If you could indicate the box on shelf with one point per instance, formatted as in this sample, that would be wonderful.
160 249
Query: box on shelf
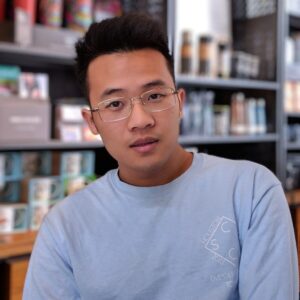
44 189
24 119
14 218
58 39
61 40
73 163
10 166
37 213
10 191
35 163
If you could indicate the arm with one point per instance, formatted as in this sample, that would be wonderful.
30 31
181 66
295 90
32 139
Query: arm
49 274
269 266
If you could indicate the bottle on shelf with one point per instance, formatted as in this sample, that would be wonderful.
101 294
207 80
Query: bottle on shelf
206 56
186 53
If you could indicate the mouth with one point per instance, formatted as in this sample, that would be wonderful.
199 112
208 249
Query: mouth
144 145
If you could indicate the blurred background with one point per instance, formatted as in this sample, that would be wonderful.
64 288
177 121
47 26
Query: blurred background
238 60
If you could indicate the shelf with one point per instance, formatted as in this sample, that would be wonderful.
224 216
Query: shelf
226 83
293 115
196 139
56 55
16 244
293 146
48 145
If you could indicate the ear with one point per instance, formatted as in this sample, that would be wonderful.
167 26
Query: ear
181 100
87 115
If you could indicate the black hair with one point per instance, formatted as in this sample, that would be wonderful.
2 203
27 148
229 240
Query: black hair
132 31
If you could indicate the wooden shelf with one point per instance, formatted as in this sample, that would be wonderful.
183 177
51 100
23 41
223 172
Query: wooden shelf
226 83
16 244
196 139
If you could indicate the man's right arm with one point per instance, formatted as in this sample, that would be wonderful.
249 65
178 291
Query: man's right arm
50 274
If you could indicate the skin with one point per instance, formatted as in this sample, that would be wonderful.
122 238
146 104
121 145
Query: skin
131 74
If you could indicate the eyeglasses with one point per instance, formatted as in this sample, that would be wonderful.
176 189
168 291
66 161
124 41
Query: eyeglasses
117 109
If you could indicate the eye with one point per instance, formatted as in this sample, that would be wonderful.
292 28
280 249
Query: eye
155 97
115 104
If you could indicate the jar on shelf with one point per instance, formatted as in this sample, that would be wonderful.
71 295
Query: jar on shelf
224 60
206 55
186 53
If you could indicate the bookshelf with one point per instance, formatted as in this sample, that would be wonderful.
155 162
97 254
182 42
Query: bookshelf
291 118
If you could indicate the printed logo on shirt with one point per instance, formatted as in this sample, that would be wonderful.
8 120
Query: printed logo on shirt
219 241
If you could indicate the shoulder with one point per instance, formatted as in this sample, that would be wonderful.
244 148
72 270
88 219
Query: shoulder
81 203
238 169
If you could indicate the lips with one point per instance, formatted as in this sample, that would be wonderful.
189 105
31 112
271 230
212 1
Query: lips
144 145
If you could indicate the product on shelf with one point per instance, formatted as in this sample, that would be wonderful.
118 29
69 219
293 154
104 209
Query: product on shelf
224 60
13 218
244 65
34 163
10 166
51 12
186 53
34 85
292 96
27 8
9 77
70 125
104 9
221 120
24 120
73 163
79 14
206 56
42 189
10 191
248 116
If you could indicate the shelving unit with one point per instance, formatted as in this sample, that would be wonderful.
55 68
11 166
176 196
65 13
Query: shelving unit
291 73
255 35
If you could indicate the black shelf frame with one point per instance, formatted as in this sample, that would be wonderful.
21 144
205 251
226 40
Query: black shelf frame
230 139
220 83
38 54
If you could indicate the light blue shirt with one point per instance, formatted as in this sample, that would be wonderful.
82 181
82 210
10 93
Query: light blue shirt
220 231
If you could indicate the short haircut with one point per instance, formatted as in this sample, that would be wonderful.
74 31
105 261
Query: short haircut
132 31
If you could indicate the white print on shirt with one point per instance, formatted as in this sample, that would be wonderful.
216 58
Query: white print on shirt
220 234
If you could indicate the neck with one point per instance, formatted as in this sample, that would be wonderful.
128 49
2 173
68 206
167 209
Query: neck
163 174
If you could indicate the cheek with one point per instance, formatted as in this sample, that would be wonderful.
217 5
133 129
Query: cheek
112 139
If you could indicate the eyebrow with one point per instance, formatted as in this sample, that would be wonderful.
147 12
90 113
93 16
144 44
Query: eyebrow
110 91
154 83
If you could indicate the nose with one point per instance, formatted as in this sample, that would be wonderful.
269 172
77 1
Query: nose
139 117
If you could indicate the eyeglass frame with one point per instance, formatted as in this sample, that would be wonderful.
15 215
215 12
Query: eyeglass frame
132 99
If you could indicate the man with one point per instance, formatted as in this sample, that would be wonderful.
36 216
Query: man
166 224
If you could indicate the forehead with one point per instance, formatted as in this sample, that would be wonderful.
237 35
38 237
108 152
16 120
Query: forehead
128 69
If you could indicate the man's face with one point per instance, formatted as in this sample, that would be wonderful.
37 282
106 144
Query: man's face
145 143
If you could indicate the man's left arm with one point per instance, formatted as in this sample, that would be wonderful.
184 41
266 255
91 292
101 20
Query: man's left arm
269 265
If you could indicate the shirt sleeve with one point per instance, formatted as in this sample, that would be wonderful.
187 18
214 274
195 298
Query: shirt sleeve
269 265
49 275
